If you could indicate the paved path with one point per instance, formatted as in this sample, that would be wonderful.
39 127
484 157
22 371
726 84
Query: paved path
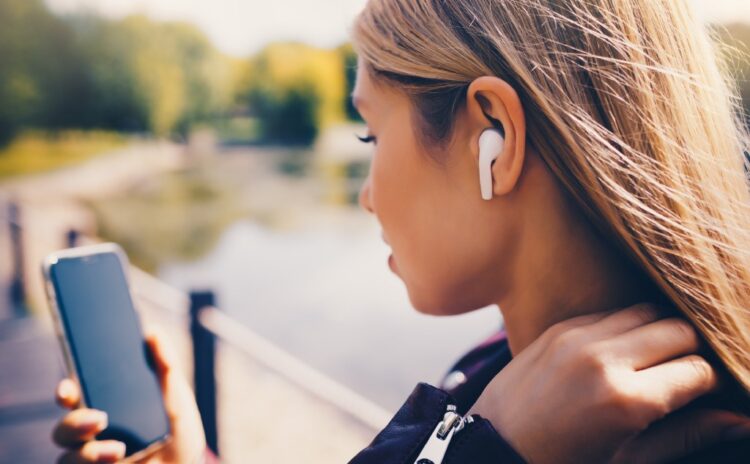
30 367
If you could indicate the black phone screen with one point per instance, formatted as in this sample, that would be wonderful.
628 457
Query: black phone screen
111 359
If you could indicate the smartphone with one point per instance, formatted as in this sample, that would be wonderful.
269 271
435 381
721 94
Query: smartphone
103 344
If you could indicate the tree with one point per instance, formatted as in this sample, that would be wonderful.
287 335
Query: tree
40 75
148 76
349 61
295 90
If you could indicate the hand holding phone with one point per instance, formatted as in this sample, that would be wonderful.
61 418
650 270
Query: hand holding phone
121 384
186 445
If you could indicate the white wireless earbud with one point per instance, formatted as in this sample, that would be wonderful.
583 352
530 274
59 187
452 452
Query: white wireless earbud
490 146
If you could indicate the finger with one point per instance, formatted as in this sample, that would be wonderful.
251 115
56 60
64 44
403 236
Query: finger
79 426
67 394
677 382
657 342
627 319
163 357
683 434
95 452
164 360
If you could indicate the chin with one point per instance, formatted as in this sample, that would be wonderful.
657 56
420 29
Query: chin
440 305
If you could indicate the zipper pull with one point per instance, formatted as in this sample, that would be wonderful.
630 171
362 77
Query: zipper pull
434 450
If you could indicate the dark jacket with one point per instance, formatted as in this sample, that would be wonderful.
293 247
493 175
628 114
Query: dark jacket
478 442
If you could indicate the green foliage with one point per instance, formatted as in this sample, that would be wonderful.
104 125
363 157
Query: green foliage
131 75
288 115
114 97
208 80
138 75
147 76
736 37
40 77
349 61
295 90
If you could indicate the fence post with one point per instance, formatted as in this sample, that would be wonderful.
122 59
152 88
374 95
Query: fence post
17 288
204 373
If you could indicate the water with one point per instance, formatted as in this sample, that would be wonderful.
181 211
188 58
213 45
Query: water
275 233
322 290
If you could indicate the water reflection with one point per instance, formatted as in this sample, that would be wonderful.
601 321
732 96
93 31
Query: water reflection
324 293
277 234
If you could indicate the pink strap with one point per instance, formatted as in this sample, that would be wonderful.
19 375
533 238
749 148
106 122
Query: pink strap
210 457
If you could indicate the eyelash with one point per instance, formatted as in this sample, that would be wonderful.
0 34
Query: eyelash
367 139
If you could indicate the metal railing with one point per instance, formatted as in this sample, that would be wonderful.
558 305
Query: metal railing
16 294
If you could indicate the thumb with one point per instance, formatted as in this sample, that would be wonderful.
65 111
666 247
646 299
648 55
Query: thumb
682 434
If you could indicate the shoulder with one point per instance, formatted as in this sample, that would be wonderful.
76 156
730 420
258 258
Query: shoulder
734 452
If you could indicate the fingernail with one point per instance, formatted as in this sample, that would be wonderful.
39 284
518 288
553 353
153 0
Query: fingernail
737 432
110 450
65 390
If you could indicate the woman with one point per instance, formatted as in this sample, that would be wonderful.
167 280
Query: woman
617 178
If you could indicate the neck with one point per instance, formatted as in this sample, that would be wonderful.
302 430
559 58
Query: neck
564 278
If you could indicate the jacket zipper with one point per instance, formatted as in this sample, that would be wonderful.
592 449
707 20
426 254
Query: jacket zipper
434 450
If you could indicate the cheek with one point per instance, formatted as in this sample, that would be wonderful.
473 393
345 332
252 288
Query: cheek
432 229
455 269
394 181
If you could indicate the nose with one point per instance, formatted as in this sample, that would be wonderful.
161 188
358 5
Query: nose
365 199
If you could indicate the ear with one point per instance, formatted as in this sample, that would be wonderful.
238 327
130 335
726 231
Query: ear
490 98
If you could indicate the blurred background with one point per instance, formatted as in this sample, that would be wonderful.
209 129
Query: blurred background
215 141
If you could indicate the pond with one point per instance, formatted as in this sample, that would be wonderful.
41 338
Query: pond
289 254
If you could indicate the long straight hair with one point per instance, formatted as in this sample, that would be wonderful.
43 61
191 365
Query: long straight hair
629 104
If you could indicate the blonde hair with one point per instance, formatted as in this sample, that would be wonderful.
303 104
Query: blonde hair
627 104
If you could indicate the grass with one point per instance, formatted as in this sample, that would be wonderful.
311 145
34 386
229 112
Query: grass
37 151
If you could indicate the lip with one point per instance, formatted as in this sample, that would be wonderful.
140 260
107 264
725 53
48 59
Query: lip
385 239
